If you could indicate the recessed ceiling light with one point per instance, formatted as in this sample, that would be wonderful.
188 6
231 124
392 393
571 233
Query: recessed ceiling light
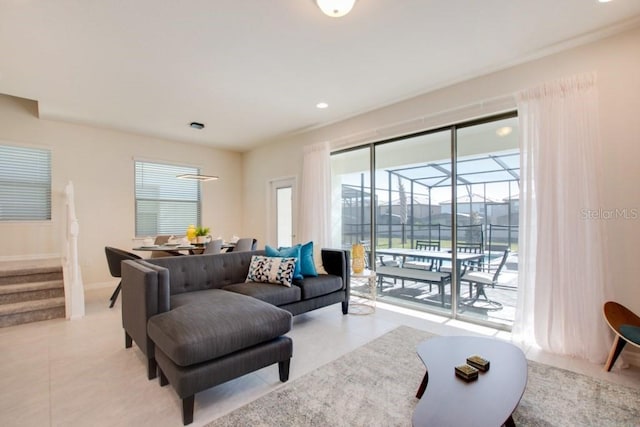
196 125
504 131
604 1
322 105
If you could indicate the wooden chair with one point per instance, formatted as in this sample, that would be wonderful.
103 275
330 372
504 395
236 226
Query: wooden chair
626 326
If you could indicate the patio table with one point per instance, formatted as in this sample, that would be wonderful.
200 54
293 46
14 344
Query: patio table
461 257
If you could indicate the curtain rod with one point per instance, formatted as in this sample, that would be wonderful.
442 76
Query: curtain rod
441 118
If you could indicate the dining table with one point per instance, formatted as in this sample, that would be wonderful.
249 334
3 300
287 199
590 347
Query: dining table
180 249
171 249
442 255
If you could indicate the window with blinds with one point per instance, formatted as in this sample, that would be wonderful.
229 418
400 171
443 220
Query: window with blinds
25 184
164 203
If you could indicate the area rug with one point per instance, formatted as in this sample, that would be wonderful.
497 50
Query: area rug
375 385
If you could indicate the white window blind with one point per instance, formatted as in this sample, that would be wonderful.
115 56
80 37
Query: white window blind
164 203
25 184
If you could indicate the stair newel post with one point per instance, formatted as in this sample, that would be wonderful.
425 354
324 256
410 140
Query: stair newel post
73 287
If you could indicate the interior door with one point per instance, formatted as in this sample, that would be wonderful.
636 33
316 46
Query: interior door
282 224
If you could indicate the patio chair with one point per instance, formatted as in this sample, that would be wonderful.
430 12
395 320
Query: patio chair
480 279
387 261
381 260
423 263
470 240
626 326
469 248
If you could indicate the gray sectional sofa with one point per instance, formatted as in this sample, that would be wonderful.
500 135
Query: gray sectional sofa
199 323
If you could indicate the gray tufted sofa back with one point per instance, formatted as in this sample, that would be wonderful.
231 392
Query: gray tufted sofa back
200 272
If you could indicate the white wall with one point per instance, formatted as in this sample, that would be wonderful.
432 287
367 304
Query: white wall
617 62
100 164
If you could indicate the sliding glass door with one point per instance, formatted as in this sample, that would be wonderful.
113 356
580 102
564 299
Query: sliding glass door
412 177
438 214
488 171
351 198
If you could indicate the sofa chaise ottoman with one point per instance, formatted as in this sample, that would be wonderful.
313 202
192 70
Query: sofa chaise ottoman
204 344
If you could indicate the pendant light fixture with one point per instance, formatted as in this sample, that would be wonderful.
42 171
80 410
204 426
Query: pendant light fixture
335 8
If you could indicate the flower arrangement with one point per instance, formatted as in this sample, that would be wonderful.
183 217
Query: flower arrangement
202 234
191 233
202 231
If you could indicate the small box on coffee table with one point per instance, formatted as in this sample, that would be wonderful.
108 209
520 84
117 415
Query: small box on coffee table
478 363
466 372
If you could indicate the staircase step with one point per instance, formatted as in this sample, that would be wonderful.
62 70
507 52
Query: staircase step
31 311
31 290
39 274
21 292
36 270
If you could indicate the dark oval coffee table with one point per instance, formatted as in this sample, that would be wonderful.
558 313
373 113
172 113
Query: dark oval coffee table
446 400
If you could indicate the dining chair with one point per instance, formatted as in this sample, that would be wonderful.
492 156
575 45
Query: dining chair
626 326
160 240
114 259
213 247
245 244
479 279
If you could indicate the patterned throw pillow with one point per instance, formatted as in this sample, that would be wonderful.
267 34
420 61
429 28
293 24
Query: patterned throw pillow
276 270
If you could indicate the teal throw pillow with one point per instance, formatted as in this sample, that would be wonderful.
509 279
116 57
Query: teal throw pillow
292 252
307 266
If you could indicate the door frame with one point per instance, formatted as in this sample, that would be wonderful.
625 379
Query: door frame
271 226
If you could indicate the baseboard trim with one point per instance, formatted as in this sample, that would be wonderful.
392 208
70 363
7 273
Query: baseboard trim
631 355
100 285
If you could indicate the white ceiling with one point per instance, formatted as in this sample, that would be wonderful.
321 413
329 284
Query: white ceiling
253 70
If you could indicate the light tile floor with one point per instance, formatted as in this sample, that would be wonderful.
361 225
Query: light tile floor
78 373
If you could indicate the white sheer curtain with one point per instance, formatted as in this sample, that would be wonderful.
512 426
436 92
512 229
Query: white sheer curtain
315 197
562 281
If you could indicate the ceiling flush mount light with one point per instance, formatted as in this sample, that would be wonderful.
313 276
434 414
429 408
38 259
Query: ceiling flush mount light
504 131
198 177
322 105
196 125
335 8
